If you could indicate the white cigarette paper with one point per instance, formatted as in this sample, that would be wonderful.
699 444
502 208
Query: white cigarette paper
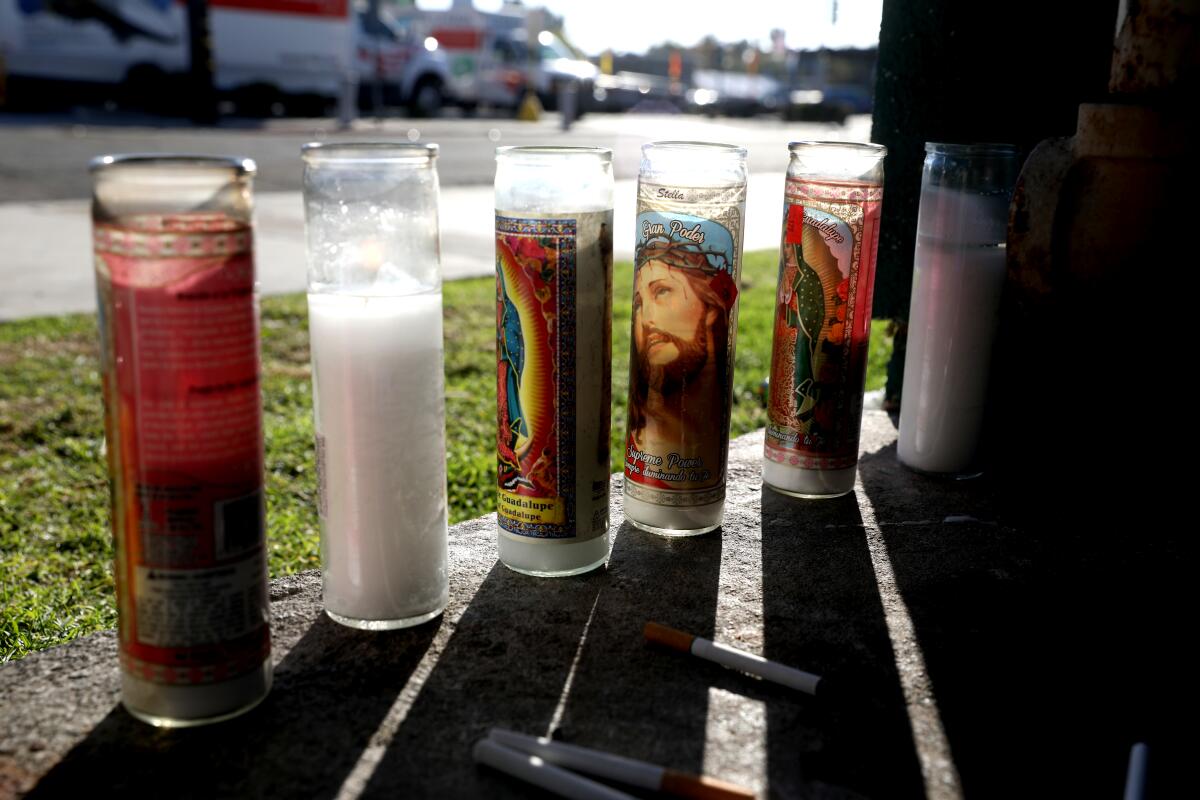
534 770
732 657
755 665
612 767
1135 778
593 762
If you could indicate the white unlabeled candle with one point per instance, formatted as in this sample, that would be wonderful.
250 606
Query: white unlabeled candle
378 402
958 277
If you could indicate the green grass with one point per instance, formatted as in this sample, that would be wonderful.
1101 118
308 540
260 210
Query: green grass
55 546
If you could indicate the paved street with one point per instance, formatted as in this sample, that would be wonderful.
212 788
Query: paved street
44 186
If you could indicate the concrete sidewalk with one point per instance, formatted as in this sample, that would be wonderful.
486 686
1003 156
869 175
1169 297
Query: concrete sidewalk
45 246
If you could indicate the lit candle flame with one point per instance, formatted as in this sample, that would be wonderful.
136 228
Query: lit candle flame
371 254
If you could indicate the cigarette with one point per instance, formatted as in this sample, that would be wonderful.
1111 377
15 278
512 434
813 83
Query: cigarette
732 657
618 768
534 770
1135 778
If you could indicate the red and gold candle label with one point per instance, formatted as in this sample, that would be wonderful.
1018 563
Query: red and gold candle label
179 334
822 323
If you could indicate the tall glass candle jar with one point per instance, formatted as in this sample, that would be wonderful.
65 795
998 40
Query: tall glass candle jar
553 357
375 328
183 419
958 275
832 202
691 211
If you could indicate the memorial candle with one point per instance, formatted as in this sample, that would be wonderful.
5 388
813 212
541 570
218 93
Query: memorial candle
958 275
375 326
832 202
553 357
183 419
690 215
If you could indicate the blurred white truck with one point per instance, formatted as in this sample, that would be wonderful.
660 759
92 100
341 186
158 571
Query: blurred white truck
265 53
495 57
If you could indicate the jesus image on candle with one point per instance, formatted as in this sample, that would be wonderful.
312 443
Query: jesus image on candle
680 358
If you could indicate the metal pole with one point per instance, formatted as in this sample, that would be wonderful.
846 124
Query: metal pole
203 106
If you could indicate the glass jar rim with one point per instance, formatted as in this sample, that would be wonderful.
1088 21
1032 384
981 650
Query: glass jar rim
973 149
373 152
239 166
846 149
536 152
684 146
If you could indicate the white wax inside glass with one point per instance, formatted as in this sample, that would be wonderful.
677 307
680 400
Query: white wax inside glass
958 277
671 520
378 403
183 706
810 483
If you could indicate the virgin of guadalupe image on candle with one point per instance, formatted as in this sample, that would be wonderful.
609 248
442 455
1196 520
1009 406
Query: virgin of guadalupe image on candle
535 348
680 361
525 345
513 434
811 321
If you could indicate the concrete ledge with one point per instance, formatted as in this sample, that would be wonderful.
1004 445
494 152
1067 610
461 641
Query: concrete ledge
963 644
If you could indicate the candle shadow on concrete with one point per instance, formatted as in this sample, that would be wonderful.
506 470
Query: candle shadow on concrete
1051 645
823 613
331 691
505 664
632 698
563 655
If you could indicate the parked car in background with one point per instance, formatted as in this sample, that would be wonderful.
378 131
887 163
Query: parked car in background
556 67
638 92
500 73
733 94
397 67
508 68
495 58
831 103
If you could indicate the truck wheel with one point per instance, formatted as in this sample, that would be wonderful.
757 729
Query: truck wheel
258 100
146 88
307 105
549 98
427 98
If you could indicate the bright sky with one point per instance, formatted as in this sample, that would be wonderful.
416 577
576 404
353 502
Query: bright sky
635 25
